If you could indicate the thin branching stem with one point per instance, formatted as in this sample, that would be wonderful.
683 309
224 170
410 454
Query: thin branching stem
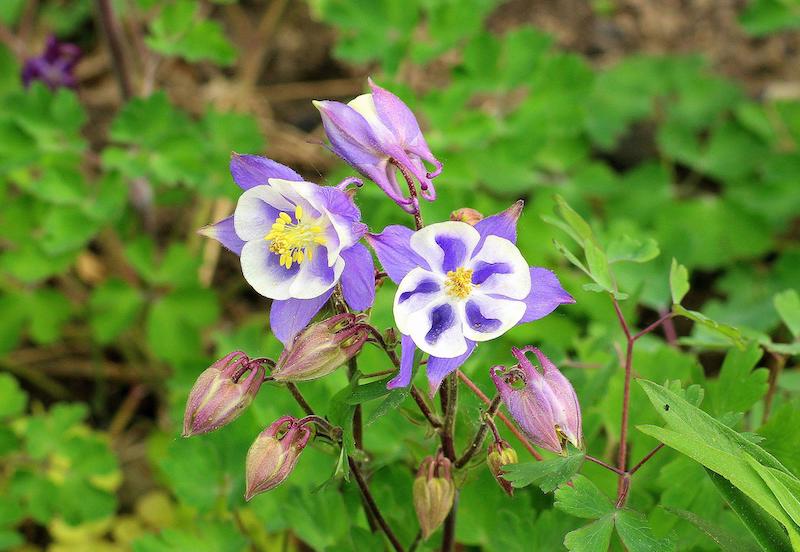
480 435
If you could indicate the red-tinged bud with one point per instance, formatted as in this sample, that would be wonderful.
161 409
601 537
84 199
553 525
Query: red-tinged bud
434 493
501 454
468 215
274 454
322 348
221 393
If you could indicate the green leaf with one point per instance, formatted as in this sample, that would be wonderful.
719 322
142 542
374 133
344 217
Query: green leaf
767 532
726 540
787 303
583 499
785 487
174 323
632 250
595 537
598 265
678 282
49 310
762 17
12 398
547 474
731 333
634 531
581 228
113 308
179 30
395 398
369 391
739 386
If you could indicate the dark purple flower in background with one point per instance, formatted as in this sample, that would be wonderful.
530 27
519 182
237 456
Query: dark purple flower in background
377 134
459 285
54 67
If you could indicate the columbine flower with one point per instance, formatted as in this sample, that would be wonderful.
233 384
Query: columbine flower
296 240
322 348
377 134
274 454
222 393
545 406
54 67
434 493
458 285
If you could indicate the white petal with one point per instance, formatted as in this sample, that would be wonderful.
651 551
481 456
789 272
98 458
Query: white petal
315 277
257 210
449 342
486 317
516 282
365 106
410 298
458 239
262 270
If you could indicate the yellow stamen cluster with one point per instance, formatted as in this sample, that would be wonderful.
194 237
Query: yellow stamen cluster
294 242
459 282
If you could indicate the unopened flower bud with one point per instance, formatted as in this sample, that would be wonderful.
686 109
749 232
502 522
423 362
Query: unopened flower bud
274 454
322 348
501 454
434 493
544 404
221 393
468 215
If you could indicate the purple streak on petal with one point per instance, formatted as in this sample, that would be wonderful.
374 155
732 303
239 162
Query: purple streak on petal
394 252
477 321
338 202
545 296
407 350
395 114
483 270
426 286
349 133
437 368
442 319
288 317
358 278
253 170
225 234
455 252
502 224
568 409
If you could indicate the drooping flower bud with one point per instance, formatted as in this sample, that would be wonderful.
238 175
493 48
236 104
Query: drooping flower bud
322 348
274 454
501 454
434 493
543 404
378 135
221 393
468 215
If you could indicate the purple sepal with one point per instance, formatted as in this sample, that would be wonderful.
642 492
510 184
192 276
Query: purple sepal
287 317
358 278
54 67
545 296
225 234
394 251
249 171
502 224
407 350
439 368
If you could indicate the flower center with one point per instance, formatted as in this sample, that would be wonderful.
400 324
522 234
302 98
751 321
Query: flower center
294 242
459 282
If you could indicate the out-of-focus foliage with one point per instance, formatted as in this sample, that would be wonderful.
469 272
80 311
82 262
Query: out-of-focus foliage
656 180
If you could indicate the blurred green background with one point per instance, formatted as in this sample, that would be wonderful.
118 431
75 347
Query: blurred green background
673 123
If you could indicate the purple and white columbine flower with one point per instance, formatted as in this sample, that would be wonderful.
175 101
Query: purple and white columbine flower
459 285
296 241
377 134
54 67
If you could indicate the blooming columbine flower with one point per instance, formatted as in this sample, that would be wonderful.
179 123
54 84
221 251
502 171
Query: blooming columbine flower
546 406
460 284
295 239
377 134
54 67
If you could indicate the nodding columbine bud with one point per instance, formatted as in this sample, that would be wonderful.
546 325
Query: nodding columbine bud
274 454
543 404
468 215
434 493
221 393
501 454
322 348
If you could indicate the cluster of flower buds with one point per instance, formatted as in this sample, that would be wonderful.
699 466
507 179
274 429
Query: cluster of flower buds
544 404
377 134
434 493
274 454
500 454
54 67
322 348
222 392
